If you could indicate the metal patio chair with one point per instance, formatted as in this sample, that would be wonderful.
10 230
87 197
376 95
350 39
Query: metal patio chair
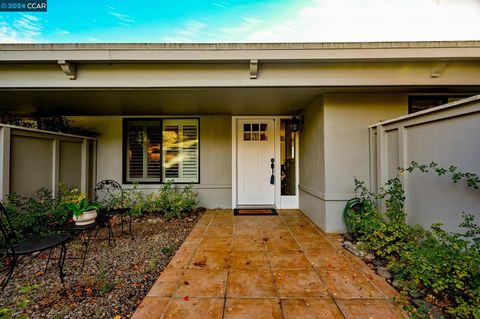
16 248
106 193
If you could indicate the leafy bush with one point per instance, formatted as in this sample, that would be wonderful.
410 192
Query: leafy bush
174 202
36 215
169 200
440 266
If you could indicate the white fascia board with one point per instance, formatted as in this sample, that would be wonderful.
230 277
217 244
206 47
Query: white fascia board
139 54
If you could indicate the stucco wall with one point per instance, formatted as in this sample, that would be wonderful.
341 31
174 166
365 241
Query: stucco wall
448 136
32 159
215 189
341 121
312 163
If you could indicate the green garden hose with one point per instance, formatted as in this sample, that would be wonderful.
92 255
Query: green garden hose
349 211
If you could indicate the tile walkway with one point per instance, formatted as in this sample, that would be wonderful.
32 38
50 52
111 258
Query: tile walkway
266 267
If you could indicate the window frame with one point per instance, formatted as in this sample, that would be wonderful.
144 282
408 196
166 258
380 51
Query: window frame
159 120
444 98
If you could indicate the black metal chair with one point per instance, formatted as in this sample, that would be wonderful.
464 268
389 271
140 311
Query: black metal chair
107 193
16 248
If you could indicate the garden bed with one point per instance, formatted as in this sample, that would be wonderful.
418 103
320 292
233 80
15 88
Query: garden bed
113 283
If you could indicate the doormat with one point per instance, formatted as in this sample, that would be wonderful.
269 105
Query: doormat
254 211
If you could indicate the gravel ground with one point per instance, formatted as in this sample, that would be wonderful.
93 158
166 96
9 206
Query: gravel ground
113 283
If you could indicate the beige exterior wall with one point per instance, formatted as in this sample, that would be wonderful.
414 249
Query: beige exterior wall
215 188
312 163
447 135
32 159
344 152
271 74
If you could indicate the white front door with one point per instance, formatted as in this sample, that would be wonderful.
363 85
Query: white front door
255 152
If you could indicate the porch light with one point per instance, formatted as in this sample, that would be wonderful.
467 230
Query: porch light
295 123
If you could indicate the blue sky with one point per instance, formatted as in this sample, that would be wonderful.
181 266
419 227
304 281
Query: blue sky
244 21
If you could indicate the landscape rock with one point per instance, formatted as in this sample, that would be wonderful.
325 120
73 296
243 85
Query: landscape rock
348 237
434 311
397 283
384 272
378 263
369 256
353 249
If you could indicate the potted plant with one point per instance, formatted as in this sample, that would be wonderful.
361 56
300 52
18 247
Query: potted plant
84 213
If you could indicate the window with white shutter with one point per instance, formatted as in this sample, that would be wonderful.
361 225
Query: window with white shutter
180 150
144 140
161 150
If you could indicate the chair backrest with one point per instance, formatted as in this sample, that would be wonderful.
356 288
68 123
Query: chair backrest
107 192
6 228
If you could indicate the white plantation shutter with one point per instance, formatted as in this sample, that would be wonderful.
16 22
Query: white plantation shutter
144 151
180 150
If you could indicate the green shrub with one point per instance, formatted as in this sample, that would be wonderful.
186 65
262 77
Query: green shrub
36 215
169 200
444 267
174 202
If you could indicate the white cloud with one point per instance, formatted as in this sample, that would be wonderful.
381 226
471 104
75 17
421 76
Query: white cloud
61 31
249 24
24 29
189 33
192 28
372 20
221 4
123 19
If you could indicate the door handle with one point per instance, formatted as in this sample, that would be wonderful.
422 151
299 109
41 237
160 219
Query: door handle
272 166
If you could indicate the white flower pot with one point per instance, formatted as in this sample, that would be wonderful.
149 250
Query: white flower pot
86 218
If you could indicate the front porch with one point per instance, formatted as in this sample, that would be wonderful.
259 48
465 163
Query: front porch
266 267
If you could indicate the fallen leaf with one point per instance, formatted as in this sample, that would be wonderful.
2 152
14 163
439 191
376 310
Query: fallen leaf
186 283
117 317
200 263
186 298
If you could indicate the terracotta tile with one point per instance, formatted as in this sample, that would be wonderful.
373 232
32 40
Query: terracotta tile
250 284
249 260
219 231
249 221
247 231
314 243
191 242
271 221
383 286
197 232
328 259
252 308
193 308
204 220
288 260
276 232
224 211
182 258
211 259
290 212
212 243
151 308
249 243
299 284
349 284
281 243
305 232
166 283
297 222
206 283
222 222
370 308
310 309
